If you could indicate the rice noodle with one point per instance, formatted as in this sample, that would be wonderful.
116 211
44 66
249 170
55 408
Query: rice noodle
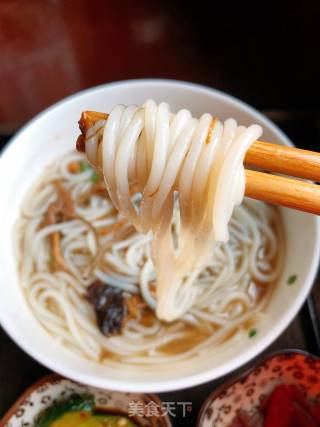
178 180
231 288
156 153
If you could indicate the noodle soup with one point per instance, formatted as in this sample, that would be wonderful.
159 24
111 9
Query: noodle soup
74 249
51 136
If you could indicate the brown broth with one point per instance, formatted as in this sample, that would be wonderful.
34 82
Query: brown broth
193 337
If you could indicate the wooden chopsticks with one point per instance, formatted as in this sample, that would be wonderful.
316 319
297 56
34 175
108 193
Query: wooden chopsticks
283 191
286 160
280 190
275 189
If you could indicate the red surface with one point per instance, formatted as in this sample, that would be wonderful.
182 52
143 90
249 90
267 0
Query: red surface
50 49
263 52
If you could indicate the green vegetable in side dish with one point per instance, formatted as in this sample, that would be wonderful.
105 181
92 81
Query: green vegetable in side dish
77 403
78 411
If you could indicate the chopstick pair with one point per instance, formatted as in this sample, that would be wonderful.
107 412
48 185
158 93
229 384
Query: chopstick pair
282 190
279 190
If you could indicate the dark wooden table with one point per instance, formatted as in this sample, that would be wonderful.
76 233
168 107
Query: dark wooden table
18 370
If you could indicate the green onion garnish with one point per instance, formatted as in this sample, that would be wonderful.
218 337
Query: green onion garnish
292 279
252 332
95 177
84 166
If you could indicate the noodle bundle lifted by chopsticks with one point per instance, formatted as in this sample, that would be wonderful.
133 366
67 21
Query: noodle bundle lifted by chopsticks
170 161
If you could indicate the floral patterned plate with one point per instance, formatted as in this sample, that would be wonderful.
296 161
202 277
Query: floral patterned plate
145 408
246 392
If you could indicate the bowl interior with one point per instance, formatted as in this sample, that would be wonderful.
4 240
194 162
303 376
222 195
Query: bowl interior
53 133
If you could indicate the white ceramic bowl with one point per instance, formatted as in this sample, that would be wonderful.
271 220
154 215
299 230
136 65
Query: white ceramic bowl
53 133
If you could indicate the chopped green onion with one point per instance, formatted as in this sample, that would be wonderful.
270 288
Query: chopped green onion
252 332
292 279
95 177
84 166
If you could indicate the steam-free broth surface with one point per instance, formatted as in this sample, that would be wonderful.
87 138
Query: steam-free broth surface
71 239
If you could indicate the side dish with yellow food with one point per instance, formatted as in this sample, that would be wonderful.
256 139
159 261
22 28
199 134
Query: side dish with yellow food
79 411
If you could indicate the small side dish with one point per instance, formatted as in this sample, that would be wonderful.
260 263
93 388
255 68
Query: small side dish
282 391
55 401
286 406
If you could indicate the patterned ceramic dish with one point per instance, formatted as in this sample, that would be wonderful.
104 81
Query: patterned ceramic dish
51 389
247 391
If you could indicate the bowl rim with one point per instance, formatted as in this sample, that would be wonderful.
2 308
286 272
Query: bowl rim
144 81
54 377
245 373
214 372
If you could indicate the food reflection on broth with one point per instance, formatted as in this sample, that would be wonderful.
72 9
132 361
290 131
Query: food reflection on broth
89 277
